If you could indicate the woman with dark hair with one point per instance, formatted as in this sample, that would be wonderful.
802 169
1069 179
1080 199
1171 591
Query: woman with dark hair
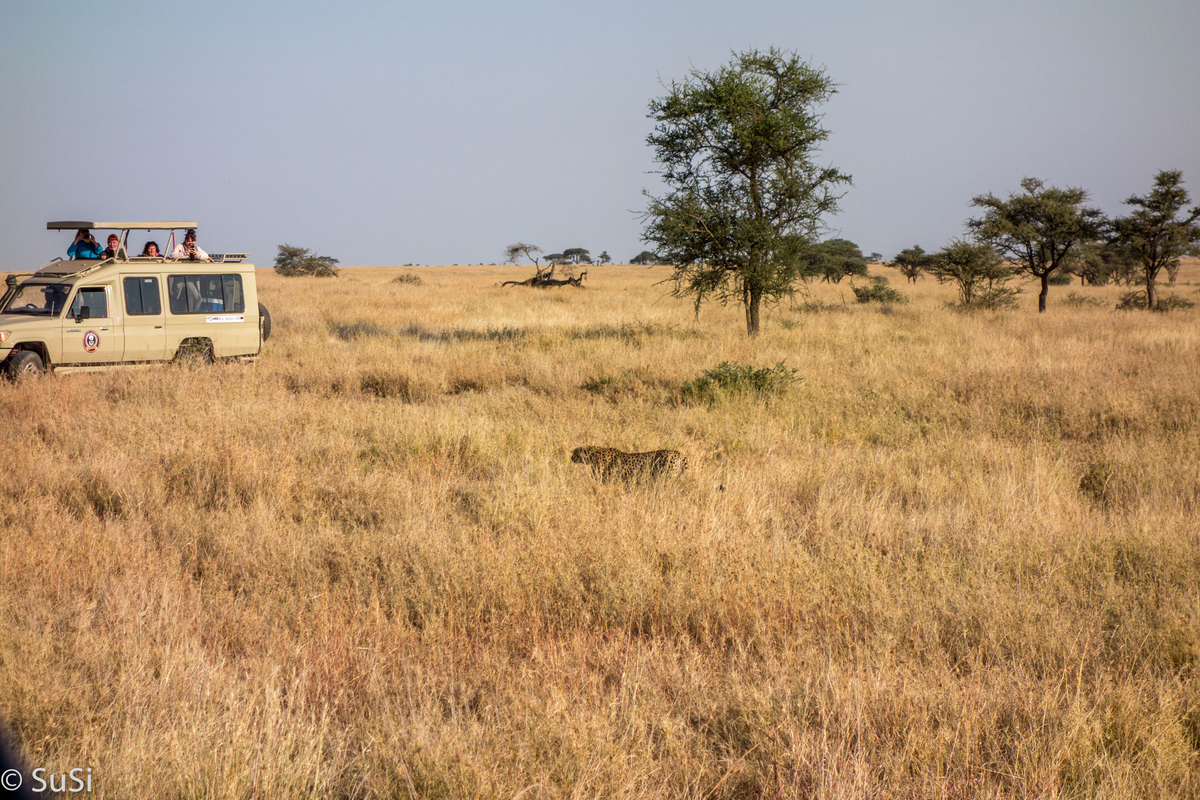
151 250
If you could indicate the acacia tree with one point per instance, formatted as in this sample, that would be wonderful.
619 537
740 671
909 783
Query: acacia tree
1037 230
835 259
745 200
911 262
294 262
978 272
1099 263
1155 233
515 251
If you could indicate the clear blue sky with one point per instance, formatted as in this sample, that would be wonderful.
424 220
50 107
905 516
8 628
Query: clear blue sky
438 133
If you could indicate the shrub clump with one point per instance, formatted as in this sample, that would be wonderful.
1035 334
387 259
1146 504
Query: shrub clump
407 277
298 261
1081 301
728 377
878 292
1136 300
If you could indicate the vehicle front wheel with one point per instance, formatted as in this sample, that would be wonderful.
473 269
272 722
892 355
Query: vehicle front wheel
24 365
264 322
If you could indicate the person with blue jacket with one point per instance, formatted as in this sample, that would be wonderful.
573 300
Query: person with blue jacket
84 246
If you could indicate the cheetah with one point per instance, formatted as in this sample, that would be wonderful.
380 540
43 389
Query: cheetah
608 463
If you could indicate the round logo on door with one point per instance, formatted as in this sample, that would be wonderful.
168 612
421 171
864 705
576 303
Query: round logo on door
91 340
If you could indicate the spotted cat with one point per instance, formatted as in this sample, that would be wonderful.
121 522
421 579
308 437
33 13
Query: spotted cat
608 463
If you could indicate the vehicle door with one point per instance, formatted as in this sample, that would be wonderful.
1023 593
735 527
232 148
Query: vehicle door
97 337
145 336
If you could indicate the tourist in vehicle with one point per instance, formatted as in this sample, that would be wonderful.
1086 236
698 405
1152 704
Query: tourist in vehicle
151 250
114 249
84 246
188 248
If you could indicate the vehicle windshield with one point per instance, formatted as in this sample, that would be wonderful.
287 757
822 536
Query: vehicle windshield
37 299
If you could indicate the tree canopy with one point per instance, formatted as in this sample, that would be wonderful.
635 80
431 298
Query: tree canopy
515 251
835 259
912 261
1037 229
1160 229
744 199
298 261
977 271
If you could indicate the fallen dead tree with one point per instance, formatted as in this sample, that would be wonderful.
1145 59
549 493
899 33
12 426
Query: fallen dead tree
544 279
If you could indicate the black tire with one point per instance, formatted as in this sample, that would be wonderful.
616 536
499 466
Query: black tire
25 365
264 322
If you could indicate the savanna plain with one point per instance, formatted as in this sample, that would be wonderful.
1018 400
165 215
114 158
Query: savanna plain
959 556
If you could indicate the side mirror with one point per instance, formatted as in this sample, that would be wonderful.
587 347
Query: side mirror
85 312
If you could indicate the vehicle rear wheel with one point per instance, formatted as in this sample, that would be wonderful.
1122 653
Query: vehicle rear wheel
25 365
195 353
264 322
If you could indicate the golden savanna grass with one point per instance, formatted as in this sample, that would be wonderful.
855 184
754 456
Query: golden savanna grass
960 558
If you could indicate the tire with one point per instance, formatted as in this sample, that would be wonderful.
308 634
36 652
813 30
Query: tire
264 322
194 353
25 365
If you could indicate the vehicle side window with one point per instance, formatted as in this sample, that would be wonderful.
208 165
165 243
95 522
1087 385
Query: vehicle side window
92 299
233 293
205 294
141 296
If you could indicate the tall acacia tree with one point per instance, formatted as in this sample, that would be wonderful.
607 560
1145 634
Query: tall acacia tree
1155 233
745 201
1037 230
911 262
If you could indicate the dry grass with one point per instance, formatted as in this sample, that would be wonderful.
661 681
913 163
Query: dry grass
961 558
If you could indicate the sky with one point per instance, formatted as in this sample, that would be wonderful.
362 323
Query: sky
392 133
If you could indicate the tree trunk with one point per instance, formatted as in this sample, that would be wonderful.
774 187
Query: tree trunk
1151 291
1044 293
753 305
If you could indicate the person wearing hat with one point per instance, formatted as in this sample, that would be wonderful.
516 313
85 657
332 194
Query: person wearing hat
84 246
188 248
115 249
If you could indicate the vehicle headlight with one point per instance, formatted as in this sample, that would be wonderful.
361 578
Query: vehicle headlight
4 336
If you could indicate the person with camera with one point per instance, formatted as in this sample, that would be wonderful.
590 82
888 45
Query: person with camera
84 246
188 249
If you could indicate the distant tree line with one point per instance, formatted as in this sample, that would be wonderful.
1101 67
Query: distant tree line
572 255
1048 234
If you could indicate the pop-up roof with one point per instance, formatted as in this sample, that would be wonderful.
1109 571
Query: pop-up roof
168 225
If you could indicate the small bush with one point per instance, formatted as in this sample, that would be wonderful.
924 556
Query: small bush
1060 278
407 277
878 292
995 298
816 307
1081 301
728 377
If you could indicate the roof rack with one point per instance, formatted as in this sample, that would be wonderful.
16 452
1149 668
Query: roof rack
161 225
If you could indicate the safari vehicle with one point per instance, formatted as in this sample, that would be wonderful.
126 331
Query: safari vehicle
91 314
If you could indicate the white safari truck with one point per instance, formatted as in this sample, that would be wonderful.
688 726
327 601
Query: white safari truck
100 313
